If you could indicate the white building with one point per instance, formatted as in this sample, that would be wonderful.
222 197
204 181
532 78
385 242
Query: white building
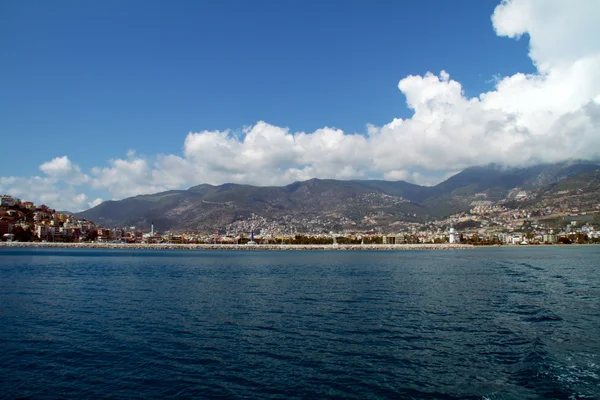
41 231
453 236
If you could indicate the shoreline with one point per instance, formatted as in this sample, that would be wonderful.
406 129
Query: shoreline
269 247
289 247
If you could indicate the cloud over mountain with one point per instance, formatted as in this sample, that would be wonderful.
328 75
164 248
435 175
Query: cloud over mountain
548 116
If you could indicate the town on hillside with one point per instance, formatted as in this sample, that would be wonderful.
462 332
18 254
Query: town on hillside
485 224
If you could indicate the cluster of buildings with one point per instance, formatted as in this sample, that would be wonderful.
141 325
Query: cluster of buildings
25 221
489 223
484 223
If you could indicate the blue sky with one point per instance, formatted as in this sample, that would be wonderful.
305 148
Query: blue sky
93 80
104 77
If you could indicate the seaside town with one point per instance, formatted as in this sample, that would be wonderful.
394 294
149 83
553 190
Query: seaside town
484 224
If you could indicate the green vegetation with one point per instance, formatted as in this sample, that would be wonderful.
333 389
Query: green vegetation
461 226
22 235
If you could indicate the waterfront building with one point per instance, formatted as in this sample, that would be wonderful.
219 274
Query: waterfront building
549 239
453 236
393 239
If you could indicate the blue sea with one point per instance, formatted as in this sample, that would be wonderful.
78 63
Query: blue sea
497 323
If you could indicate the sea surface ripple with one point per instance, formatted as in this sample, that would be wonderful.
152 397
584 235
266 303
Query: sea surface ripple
520 323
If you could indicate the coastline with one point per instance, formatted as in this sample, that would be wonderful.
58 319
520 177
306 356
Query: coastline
289 247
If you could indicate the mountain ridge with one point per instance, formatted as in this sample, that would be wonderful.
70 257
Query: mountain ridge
333 204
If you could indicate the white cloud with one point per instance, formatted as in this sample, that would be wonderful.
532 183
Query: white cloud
561 32
44 190
56 189
548 116
95 202
63 168
397 175
127 177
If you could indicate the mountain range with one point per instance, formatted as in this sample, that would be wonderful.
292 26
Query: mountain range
327 204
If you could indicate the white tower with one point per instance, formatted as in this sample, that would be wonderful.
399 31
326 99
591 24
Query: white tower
453 237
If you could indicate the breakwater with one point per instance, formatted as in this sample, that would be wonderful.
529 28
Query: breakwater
169 246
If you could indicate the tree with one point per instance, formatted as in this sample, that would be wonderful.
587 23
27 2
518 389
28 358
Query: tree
374 240
22 235
91 236
581 237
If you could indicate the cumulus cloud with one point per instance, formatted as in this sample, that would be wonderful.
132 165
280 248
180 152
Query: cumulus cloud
56 189
44 190
560 32
549 116
126 177
95 202
63 168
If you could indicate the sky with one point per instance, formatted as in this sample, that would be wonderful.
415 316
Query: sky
103 100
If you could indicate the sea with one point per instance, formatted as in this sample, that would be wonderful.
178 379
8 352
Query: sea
486 323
